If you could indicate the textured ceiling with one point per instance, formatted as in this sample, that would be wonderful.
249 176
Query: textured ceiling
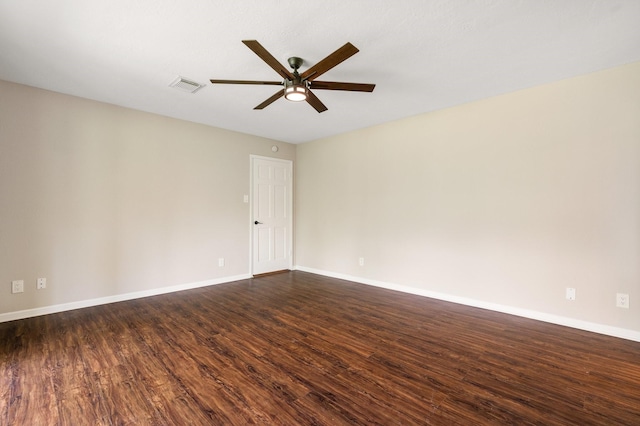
422 55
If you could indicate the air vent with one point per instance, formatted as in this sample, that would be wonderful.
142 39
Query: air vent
185 85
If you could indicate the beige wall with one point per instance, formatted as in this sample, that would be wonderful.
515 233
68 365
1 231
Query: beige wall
103 200
506 201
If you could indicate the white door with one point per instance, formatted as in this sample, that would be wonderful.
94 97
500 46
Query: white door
271 207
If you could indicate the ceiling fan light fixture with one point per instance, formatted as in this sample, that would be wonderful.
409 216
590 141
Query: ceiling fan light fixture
297 87
295 92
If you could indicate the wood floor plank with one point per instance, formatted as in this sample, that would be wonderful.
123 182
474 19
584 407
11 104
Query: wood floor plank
301 349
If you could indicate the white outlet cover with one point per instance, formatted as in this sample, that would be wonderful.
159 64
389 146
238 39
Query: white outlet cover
622 300
17 286
41 283
571 293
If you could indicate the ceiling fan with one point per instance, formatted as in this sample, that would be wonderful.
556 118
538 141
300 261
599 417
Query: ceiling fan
297 87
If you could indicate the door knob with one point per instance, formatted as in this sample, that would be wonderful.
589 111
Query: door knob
257 223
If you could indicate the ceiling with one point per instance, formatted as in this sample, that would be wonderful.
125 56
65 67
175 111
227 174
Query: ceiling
422 55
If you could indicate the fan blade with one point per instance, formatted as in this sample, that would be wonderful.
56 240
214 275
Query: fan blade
269 83
272 99
351 87
340 55
268 58
315 102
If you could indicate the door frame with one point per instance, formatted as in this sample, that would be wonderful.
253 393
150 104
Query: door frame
253 157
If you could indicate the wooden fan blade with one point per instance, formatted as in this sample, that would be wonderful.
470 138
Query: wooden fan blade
340 55
315 102
351 87
272 99
269 83
268 58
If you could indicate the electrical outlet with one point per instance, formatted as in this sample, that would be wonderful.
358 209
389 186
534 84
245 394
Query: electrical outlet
622 300
221 261
17 286
361 261
571 293
41 283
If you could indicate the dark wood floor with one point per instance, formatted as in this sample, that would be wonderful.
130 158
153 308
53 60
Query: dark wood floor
300 349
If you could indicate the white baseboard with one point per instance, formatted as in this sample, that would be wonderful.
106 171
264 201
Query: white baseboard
526 313
28 313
